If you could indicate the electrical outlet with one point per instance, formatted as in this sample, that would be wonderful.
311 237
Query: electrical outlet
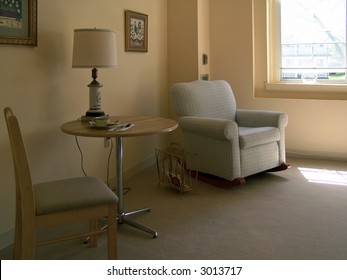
107 142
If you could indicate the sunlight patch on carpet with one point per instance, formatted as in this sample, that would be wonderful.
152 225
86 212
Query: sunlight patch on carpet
324 176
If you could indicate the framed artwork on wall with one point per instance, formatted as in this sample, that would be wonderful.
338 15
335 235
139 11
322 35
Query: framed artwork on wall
18 22
136 32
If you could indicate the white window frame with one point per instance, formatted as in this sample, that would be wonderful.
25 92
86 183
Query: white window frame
274 82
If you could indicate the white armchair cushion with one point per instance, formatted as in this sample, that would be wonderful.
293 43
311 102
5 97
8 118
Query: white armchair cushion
254 136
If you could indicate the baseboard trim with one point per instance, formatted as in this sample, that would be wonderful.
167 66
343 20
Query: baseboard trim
6 239
127 174
317 155
139 168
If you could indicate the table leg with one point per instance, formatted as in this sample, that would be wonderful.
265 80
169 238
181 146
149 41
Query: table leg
122 215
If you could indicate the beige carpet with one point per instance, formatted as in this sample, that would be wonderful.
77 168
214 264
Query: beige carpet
273 216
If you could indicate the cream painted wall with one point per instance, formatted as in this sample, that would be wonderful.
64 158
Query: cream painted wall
188 39
182 40
316 127
44 91
183 64
203 35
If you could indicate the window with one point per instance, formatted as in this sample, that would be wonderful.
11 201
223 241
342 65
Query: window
307 42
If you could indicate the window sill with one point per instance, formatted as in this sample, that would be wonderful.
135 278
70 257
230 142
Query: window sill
302 91
301 87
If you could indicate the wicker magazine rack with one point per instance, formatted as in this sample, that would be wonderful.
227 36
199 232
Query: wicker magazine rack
177 168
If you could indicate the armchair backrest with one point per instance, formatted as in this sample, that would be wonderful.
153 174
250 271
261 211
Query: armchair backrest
208 99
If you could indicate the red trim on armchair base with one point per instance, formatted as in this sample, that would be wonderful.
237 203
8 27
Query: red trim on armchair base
217 181
224 183
283 166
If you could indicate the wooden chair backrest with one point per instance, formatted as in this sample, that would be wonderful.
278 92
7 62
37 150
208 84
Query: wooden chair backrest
25 199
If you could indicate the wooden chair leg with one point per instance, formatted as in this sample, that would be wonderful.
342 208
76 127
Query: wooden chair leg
28 243
112 232
93 239
17 244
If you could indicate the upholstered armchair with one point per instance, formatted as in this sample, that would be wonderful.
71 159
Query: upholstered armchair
231 143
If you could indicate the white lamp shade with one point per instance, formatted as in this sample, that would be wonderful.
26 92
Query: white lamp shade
94 48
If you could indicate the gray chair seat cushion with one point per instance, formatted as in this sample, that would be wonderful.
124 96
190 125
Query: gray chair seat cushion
75 193
254 136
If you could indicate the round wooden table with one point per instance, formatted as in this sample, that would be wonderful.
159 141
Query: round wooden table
142 125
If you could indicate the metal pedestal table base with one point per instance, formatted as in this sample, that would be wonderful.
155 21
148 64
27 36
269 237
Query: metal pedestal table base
123 216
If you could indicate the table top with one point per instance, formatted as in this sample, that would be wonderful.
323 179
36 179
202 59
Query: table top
143 125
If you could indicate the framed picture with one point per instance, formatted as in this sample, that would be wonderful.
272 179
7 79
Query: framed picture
18 22
136 32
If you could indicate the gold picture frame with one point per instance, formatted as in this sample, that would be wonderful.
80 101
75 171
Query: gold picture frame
136 32
18 22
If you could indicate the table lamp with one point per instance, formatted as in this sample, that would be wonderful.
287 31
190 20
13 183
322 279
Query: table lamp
94 48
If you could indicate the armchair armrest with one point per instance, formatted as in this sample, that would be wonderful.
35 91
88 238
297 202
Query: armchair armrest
213 128
258 118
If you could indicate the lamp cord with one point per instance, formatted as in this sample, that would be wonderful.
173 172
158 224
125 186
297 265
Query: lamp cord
108 164
81 155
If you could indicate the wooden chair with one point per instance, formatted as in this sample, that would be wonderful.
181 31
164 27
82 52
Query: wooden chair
56 203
